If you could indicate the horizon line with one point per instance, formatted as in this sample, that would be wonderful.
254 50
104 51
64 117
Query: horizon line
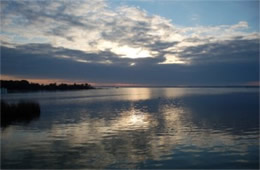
126 85
183 86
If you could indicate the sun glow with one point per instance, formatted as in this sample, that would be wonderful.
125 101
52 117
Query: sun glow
134 53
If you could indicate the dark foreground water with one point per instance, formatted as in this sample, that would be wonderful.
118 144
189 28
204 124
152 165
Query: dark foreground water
136 128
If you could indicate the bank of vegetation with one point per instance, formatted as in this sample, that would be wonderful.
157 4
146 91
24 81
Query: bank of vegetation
21 112
24 85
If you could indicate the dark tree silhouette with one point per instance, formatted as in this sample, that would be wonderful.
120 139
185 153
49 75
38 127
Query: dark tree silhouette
24 85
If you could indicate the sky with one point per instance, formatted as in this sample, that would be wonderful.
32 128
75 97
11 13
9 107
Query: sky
130 42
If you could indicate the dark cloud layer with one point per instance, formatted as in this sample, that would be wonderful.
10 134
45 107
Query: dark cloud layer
42 61
225 51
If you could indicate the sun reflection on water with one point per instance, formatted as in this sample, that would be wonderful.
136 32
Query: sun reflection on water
132 120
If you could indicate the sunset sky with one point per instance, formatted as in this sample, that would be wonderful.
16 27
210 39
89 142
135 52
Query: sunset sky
145 42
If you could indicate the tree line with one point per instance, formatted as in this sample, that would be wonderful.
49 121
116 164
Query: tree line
24 85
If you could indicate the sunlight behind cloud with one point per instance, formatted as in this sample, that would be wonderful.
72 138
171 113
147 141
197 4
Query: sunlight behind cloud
82 61
172 59
129 52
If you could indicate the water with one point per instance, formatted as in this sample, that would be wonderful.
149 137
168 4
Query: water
136 128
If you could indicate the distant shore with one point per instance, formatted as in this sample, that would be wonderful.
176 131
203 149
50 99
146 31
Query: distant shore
8 86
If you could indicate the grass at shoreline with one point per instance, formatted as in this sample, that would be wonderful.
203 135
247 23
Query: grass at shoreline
22 112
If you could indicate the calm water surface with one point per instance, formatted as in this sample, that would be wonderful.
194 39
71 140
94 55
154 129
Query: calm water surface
136 128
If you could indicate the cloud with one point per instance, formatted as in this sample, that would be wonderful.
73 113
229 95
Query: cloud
95 27
90 36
